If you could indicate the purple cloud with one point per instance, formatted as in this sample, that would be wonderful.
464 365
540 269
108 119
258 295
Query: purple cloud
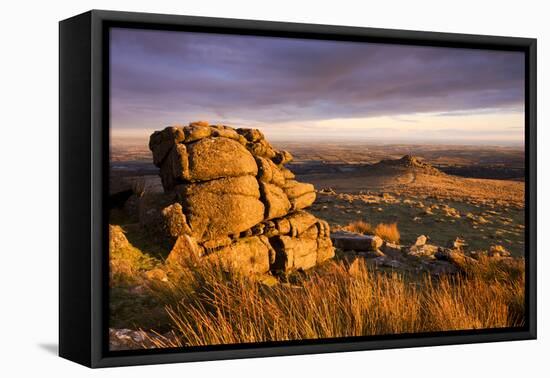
160 77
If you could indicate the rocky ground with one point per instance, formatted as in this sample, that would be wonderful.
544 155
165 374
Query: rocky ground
139 319
480 224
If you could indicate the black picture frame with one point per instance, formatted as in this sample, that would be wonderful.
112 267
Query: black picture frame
83 167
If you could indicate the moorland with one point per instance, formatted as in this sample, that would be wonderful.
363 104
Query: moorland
446 222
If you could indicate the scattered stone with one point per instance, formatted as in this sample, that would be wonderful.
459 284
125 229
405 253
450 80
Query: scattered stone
458 243
156 274
425 250
346 240
498 251
421 240
184 249
128 339
458 258
450 211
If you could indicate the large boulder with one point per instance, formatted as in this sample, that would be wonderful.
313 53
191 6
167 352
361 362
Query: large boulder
302 242
221 207
228 195
207 159
275 200
186 248
294 253
300 222
269 172
300 252
214 158
301 195
175 167
174 220
346 240
162 142
249 255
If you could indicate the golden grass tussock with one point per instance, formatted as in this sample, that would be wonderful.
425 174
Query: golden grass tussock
208 305
360 227
388 232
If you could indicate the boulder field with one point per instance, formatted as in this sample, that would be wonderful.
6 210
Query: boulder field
228 194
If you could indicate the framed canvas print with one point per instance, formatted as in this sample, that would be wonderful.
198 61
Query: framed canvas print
233 188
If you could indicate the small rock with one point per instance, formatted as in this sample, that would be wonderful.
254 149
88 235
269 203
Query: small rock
421 240
458 243
426 250
498 251
455 257
346 240
156 274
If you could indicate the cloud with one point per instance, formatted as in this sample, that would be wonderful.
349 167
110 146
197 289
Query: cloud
160 77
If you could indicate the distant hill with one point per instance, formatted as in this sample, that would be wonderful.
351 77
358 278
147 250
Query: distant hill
407 163
411 176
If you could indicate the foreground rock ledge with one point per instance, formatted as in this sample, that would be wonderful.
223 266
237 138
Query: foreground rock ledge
228 195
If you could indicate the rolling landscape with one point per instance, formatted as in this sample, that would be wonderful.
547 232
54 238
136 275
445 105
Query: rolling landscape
430 198
447 191
267 190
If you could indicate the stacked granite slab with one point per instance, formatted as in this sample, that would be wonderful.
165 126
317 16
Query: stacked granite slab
235 199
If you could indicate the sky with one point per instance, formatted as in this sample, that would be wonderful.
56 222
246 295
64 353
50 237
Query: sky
299 89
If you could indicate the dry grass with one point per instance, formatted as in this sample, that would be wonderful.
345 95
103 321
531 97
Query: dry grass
210 306
388 232
360 227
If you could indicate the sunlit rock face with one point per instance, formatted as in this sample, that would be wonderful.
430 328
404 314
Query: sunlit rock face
232 197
